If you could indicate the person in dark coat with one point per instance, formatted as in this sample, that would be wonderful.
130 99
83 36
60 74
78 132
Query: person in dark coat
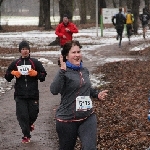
144 18
118 21
27 72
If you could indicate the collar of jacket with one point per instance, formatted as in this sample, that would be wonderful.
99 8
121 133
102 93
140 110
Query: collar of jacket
72 66
26 58
65 24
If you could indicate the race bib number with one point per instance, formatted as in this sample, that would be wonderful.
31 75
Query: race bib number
23 69
83 103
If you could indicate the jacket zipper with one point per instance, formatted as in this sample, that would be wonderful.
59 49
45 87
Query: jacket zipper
81 79
25 76
81 82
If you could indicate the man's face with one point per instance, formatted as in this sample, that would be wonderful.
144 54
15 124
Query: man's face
25 52
65 20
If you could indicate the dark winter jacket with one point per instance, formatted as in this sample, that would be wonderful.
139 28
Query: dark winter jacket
71 84
60 31
26 87
144 18
120 20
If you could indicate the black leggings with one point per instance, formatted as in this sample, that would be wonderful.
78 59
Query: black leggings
129 29
27 113
120 31
69 131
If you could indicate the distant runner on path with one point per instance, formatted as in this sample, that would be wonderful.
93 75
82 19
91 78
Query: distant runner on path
118 21
129 23
144 17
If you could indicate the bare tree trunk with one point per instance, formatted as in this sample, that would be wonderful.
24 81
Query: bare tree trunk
0 14
41 14
46 9
135 10
147 4
101 4
129 4
114 4
65 7
120 3
91 9
44 14
82 10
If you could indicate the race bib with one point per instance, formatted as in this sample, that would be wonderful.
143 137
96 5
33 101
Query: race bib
83 103
23 69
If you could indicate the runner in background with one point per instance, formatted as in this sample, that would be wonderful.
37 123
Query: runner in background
144 17
118 21
129 23
65 30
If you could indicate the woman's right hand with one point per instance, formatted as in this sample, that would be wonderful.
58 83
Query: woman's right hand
62 63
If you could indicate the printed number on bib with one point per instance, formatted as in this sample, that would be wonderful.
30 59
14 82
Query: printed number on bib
23 69
83 103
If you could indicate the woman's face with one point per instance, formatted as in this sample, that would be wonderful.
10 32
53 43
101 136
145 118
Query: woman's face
74 56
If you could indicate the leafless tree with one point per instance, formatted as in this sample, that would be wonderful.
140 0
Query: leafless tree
120 3
101 4
91 10
135 11
82 10
147 3
46 10
114 3
0 14
41 14
44 15
129 4
65 7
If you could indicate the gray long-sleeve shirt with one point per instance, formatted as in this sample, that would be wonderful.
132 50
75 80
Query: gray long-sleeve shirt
71 84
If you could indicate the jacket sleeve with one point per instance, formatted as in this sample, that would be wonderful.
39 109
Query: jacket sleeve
58 82
58 31
41 73
74 29
8 75
113 20
94 93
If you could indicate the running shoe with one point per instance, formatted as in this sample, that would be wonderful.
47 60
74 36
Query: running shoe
25 140
32 127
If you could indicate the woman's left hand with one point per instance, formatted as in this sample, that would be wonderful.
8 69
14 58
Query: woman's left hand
102 94
62 63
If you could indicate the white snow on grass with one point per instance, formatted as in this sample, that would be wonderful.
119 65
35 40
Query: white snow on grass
87 37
